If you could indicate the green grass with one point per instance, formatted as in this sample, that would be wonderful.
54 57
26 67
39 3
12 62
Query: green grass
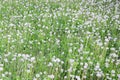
59 40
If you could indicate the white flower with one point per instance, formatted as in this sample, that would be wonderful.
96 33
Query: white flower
65 77
28 71
19 55
71 60
81 64
77 77
6 60
1 65
57 41
85 66
3 75
51 76
106 65
32 59
40 73
58 60
61 70
34 78
113 49
99 74
53 59
97 67
70 50
84 77
70 69
37 75
7 54
118 76
106 40
13 59
6 73
9 73
81 58
1 69
113 71
50 64
81 48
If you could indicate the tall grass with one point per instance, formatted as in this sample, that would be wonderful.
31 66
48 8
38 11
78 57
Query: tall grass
59 40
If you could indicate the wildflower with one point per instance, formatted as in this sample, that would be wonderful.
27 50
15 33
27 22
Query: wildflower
80 49
84 77
71 60
81 64
81 58
77 77
28 71
113 72
45 72
99 74
118 76
70 69
1 69
6 60
51 76
50 64
65 77
97 67
3 75
37 75
1 65
70 50
6 73
34 78
85 66
32 59
58 60
106 65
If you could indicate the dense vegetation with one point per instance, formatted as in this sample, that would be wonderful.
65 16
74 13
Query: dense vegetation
59 40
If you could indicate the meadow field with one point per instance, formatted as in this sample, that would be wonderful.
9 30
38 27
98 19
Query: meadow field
59 40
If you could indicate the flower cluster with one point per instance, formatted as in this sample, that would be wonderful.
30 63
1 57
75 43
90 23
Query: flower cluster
59 39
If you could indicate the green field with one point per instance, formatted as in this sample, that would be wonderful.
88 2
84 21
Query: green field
59 40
